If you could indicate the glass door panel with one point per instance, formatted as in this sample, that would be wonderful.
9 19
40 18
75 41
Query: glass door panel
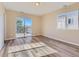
23 27
28 27
20 27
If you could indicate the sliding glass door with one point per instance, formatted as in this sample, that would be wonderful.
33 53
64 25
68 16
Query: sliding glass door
28 27
23 27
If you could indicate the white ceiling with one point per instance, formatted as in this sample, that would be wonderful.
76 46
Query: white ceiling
28 7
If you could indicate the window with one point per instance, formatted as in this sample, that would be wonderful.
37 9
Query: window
68 20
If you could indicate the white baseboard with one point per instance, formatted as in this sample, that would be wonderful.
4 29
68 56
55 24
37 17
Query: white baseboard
15 37
63 40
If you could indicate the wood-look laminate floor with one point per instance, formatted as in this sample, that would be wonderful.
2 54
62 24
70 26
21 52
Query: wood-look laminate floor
64 50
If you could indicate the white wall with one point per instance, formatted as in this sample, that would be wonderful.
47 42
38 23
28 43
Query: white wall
1 25
49 27
11 23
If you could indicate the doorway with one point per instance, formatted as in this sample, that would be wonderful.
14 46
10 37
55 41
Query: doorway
23 27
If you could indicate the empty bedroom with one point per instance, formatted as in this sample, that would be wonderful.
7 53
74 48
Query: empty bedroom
39 29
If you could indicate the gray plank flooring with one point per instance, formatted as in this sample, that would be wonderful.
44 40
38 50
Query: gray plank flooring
64 50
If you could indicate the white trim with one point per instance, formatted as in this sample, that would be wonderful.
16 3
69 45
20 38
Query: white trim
15 38
63 41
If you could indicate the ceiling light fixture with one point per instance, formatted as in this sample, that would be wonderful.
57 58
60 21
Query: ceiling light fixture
36 3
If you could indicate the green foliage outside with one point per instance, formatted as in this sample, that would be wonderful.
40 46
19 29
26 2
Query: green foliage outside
20 26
